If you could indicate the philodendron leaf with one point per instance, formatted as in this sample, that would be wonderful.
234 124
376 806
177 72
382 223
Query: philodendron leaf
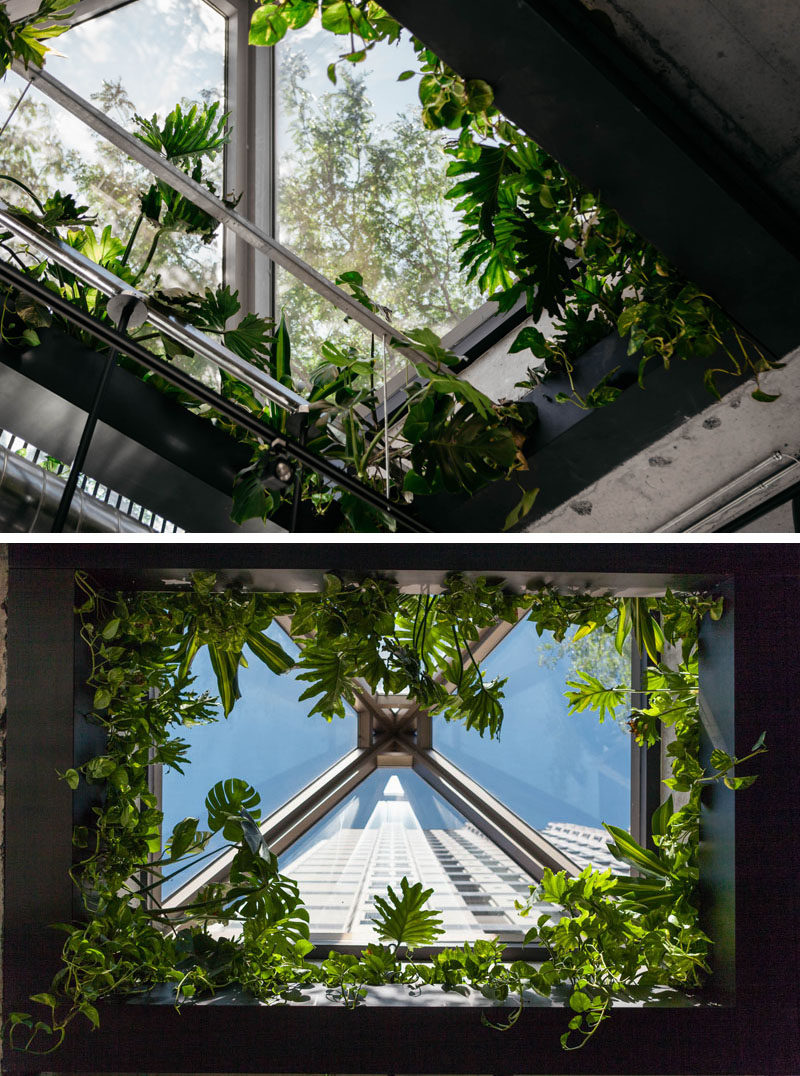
403 919
271 653
589 694
183 836
328 673
252 834
224 804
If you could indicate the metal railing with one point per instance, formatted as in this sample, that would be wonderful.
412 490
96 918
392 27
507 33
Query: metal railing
96 276
202 198
233 411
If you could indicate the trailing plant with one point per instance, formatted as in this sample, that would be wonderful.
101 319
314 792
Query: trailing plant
443 436
618 937
530 230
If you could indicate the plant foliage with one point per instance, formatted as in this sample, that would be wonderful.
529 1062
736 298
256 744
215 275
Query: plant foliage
530 230
618 937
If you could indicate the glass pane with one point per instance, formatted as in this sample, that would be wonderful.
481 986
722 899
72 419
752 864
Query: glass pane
110 60
563 774
268 740
361 186
393 825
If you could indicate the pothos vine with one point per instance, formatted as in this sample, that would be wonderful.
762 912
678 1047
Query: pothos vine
618 937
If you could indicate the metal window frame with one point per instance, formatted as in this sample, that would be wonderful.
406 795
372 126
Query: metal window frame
386 740
256 236
740 668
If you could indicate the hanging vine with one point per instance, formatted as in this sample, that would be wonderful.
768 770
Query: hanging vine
618 937
531 230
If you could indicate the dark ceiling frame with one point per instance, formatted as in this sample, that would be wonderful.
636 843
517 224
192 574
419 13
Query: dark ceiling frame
576 90
724 1039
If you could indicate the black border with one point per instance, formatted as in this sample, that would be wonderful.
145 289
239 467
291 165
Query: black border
755 1034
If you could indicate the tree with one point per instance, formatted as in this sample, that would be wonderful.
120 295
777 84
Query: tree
354 196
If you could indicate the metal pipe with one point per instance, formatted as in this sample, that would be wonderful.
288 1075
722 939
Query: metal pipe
29 498
96 276
744 496
215 207
231 410
672 524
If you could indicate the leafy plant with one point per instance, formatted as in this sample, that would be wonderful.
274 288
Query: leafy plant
24 38
404 919
618 937
529 229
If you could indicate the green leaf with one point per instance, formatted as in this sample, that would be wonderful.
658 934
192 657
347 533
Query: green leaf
336 17
403 919
271 653
626 848
579 1001
250 499
647 633
45 999
226 666
224 804
183 836
72 777
268 26
739 782
720 760
623 628
328 673
532 339
479 95
91 1014
521 509
759 742
185 135
280 359
418 420
764 397
111 629
97 769
589 694
404 75
661 817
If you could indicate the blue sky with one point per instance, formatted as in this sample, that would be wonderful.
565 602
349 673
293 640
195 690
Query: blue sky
547 766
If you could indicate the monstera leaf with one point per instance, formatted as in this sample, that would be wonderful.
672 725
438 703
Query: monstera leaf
403 920
225 803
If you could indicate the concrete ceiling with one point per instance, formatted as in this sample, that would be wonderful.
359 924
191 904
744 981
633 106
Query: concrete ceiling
733 64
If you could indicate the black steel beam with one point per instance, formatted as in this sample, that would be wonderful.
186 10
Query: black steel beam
590 104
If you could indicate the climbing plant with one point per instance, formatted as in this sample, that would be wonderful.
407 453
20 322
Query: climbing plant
618 937
531 231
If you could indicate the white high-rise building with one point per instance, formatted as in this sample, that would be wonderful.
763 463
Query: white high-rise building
475 884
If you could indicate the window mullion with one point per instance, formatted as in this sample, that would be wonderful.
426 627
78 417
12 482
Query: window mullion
525 845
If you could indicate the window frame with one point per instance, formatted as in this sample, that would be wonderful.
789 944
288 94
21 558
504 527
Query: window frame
764 586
